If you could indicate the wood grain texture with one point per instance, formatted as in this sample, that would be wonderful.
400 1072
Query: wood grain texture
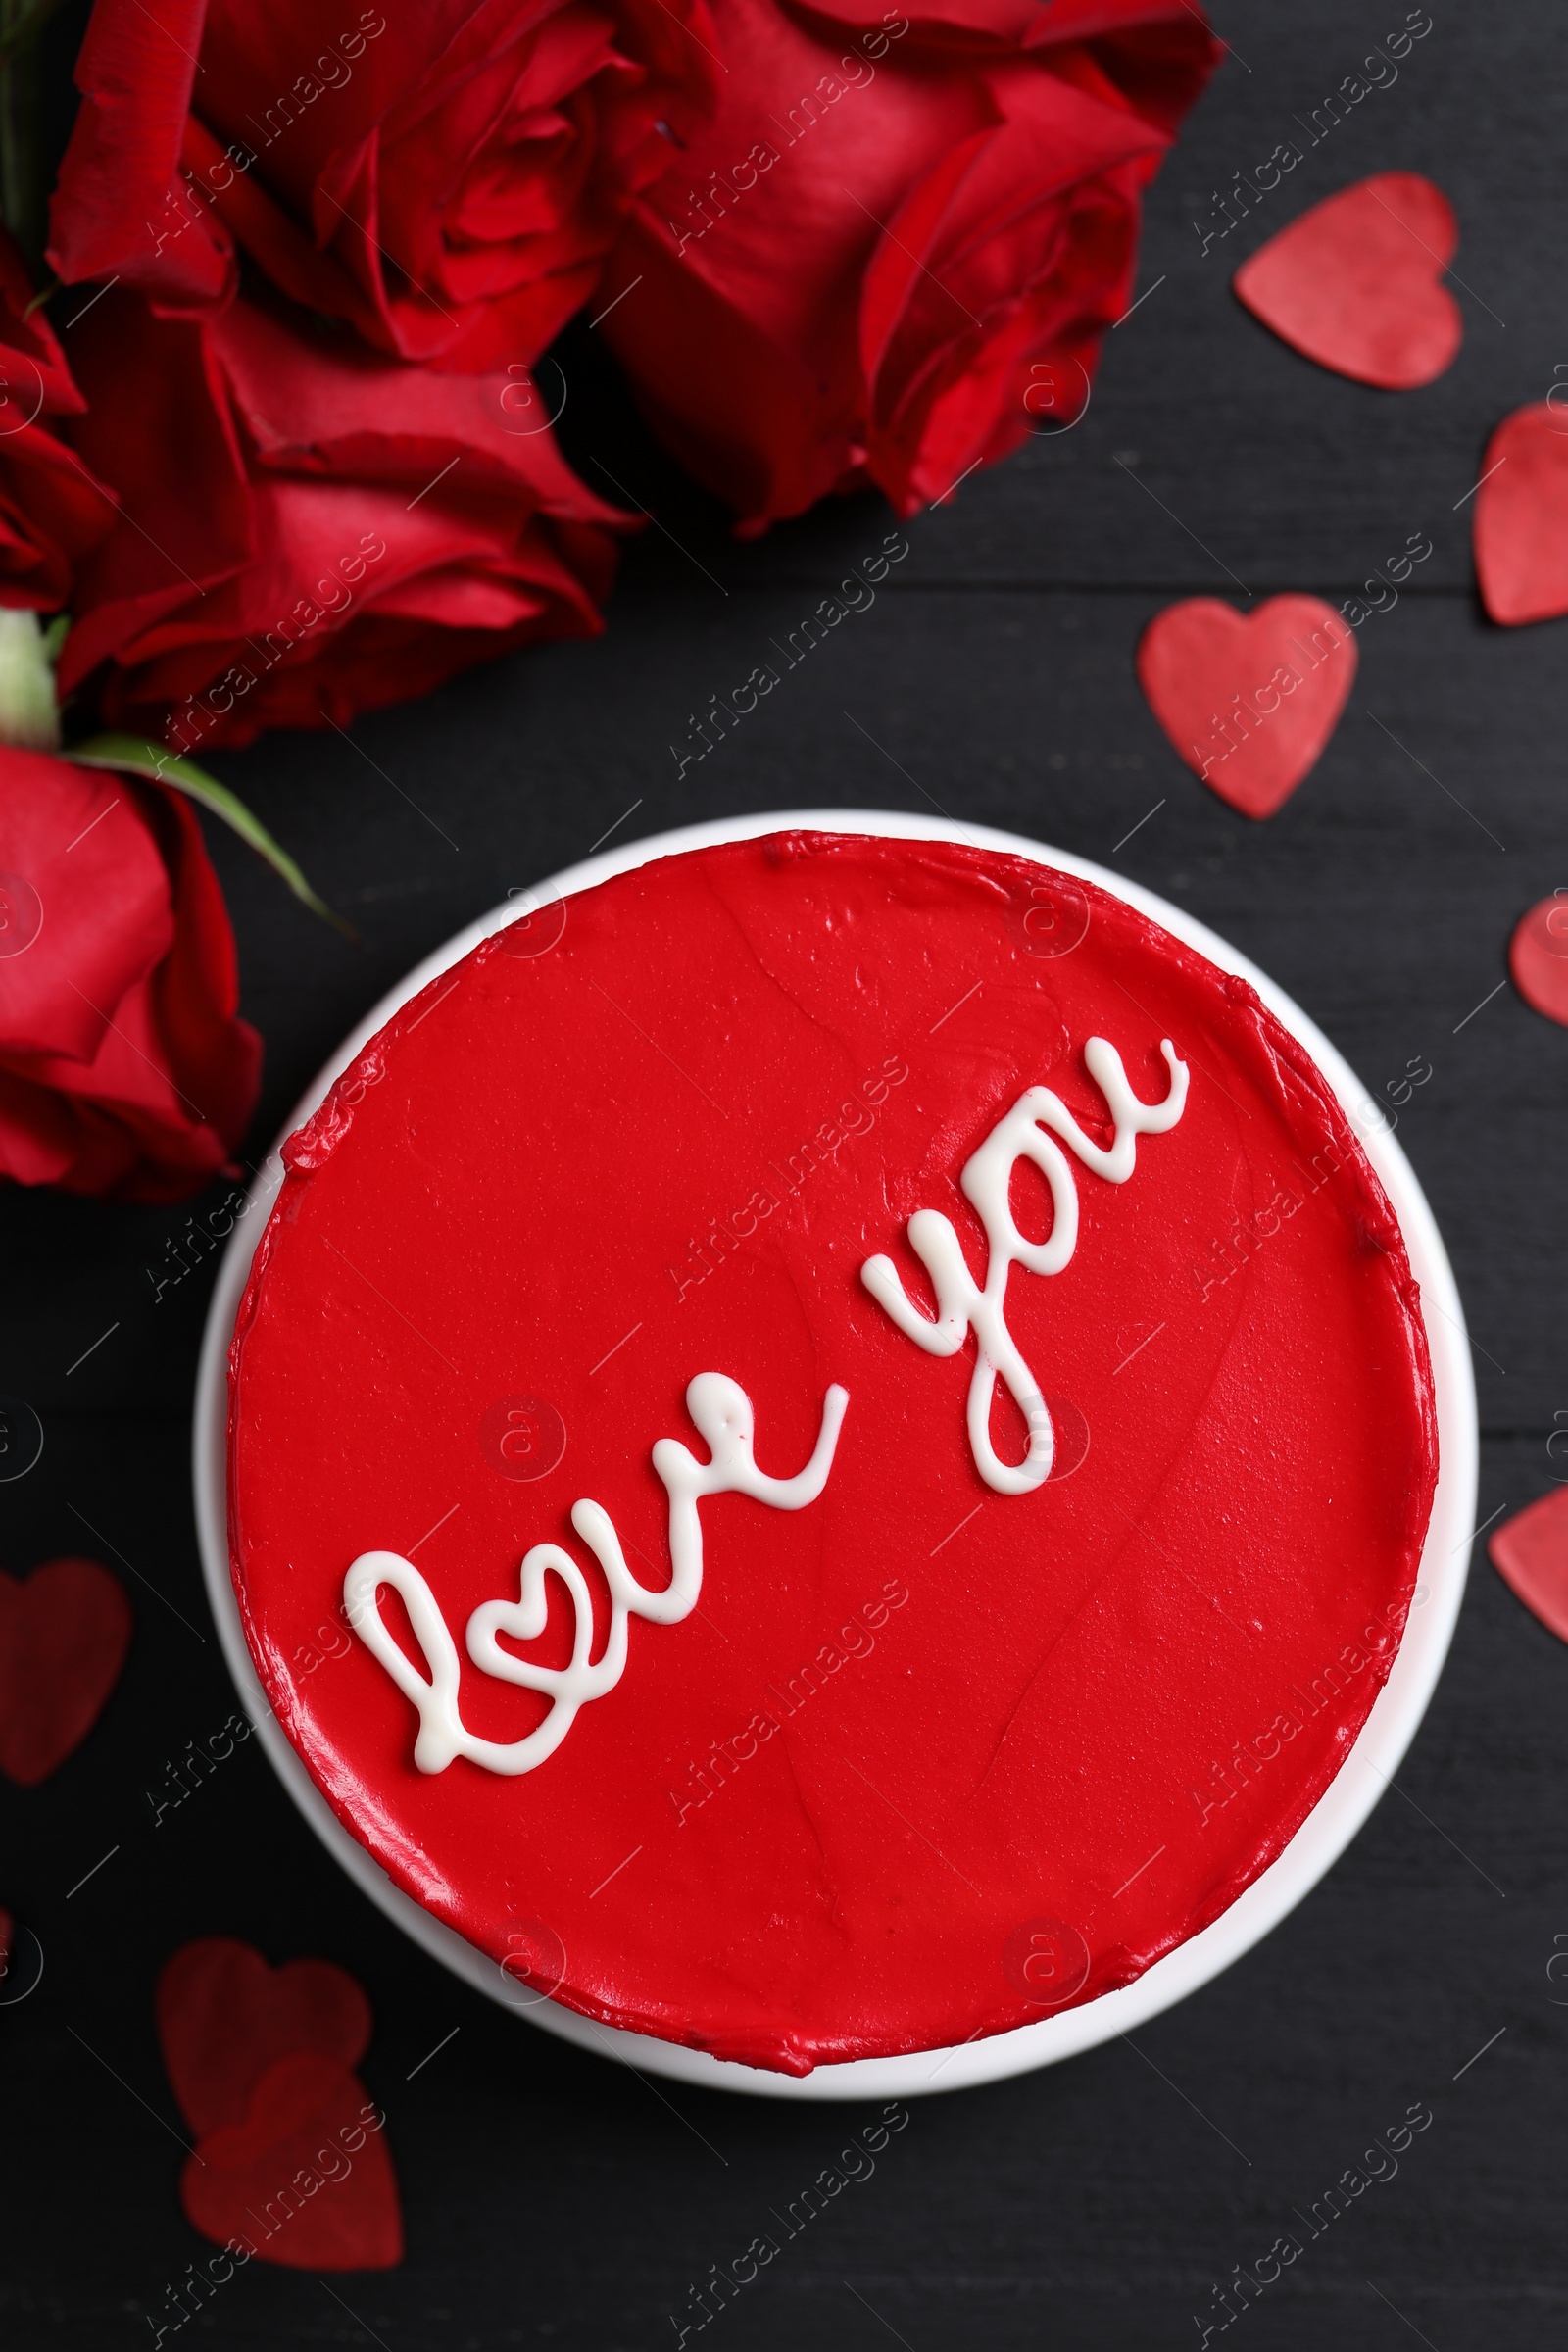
552 2199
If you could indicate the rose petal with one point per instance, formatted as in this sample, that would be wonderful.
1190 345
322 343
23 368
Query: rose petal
104 911
366 528
119 208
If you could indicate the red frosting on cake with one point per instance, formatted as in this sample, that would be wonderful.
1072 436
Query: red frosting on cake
925 1760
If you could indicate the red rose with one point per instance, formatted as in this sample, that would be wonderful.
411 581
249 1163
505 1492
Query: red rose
311 529
852 271
123 1066
52 512
447 175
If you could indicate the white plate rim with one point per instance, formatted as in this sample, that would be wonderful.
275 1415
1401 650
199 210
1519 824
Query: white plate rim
1389 1726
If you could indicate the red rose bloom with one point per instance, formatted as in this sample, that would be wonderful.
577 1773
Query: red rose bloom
52 512
311 529
446 176
893 218
123 1067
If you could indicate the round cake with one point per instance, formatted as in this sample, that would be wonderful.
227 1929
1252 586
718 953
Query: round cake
829 1445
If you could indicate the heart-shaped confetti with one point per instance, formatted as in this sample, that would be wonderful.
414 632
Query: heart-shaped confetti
225 2017
1248 699
1356 283
1529 1552
21 1961
1520 527
1537 957
64 1632
304 2179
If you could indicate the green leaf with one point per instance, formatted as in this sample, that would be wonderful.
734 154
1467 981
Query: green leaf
25 24
139 758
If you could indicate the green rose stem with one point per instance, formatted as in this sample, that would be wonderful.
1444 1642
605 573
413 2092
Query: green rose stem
22 193
29 715
133 755
29 718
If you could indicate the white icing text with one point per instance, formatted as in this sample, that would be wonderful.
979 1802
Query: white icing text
962 1305
722 1415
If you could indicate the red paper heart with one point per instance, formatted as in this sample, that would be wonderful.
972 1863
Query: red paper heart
1537 957
225 2017
1354 283
63 1633
305 2178
1521 526
1216 681
21 1961
1529 1552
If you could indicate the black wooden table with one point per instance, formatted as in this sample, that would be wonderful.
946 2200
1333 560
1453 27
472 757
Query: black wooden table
550 2197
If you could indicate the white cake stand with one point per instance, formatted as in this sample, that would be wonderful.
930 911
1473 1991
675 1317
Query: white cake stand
1332 1822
